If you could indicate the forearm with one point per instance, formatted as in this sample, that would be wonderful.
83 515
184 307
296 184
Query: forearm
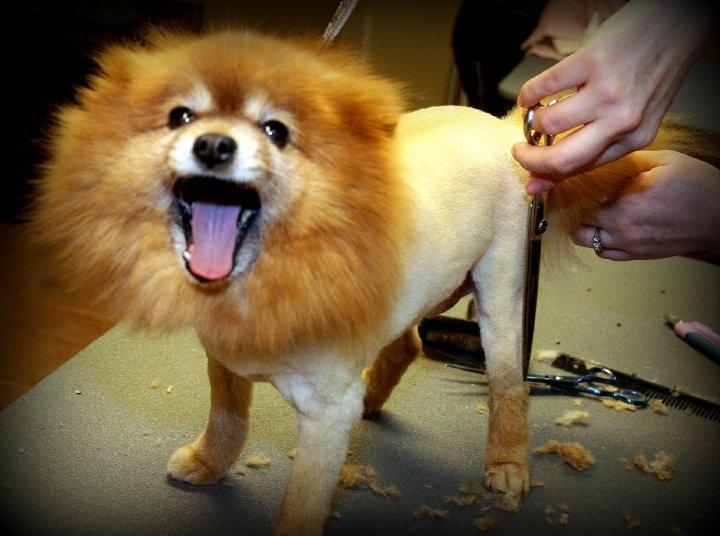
682 28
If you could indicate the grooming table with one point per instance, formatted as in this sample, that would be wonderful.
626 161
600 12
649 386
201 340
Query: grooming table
84 452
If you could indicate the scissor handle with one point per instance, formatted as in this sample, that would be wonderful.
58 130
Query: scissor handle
534 137
629 396
598 375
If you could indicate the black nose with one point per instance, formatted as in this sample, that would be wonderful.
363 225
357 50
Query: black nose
214 149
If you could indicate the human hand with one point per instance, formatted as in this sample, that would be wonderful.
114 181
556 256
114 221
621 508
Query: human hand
627 75
672 208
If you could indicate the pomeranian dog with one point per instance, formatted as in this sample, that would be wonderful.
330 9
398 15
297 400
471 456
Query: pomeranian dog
271 194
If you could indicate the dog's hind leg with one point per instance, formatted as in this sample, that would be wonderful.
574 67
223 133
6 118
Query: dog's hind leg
210 456
498 279
387 369
328 401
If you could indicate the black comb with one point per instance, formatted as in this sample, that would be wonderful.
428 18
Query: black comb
452 340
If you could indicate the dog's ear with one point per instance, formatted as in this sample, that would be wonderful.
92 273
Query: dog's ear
370 102
112 75
376 120
115 63
136 73
389 128
384 99
378 106
389 105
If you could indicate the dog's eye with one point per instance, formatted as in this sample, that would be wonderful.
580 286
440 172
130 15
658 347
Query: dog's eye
180 116
277 132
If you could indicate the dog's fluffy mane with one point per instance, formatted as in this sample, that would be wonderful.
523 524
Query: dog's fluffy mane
326 271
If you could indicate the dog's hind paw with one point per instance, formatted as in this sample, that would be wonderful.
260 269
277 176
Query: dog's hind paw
187 465
512 479
372 405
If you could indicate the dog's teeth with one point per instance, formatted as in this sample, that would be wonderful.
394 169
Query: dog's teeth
187 255
186 207
245 215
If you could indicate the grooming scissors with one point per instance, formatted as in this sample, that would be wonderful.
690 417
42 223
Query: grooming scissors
578 384
537 225
586 384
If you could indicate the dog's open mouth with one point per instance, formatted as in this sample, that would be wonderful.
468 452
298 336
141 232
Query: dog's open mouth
216 216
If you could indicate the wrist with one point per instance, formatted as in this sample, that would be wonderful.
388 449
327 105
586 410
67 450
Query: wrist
690 21
714 214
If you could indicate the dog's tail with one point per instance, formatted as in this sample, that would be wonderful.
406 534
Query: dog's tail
574 199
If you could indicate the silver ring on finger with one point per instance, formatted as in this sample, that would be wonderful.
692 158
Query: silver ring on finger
597 244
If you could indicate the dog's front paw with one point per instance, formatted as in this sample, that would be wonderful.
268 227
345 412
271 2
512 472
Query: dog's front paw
511 479
188 465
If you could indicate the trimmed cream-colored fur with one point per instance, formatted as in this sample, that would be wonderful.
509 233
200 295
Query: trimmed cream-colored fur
469 217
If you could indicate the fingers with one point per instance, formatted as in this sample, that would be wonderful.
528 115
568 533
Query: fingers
539 183
594 144
558 162
585 234
584 238
566 74
571 111
615 255
565 158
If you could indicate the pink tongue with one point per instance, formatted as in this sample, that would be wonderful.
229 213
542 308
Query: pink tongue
214 229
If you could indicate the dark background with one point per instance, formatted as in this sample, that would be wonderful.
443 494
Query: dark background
50 53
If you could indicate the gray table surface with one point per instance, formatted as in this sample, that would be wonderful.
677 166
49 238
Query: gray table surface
94 463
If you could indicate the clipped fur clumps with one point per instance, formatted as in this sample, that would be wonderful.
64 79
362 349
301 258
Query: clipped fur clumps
661 466
354 475
325 271
618 405
573 417
574 454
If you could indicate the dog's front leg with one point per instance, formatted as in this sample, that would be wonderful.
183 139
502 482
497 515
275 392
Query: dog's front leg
327 405
498 280
209 457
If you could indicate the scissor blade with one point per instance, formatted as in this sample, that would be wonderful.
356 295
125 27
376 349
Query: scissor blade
465 368
532 274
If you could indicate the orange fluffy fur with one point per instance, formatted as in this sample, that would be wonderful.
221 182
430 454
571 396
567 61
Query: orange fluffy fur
100 210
